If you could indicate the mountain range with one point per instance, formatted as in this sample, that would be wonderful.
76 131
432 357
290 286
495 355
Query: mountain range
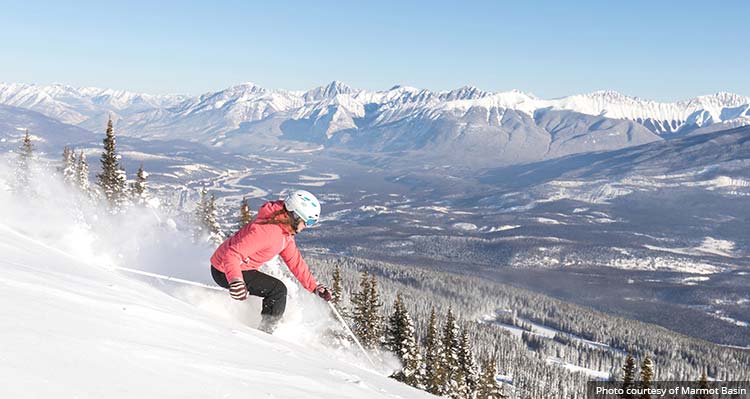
467 125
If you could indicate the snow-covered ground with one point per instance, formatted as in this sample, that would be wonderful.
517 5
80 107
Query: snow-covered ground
314 181
549 332
73 326
663 263
548 221
494 229
465 226
595 374
719 314
710 246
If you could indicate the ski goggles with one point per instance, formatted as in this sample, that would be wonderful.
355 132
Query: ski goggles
308 222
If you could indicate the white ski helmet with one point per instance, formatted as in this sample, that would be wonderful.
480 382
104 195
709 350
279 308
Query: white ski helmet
304 205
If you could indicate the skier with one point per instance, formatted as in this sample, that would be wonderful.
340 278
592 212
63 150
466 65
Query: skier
234 265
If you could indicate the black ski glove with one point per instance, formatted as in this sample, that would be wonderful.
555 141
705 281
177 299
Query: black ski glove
323 292
238 290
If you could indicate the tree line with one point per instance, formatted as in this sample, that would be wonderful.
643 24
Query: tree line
524 361
113 187
111 184
443 363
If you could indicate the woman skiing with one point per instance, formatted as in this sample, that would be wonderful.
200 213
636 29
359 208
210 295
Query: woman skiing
235 264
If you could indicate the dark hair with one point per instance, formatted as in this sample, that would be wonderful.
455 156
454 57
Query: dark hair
275 218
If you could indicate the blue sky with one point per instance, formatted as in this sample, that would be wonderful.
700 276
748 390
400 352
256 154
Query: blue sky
662 50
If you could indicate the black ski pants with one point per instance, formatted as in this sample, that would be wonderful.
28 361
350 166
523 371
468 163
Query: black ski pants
271 289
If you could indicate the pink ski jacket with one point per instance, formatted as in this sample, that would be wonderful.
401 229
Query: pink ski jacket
256 244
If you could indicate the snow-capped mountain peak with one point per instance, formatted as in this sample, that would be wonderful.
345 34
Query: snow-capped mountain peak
328 91
246 88
463 93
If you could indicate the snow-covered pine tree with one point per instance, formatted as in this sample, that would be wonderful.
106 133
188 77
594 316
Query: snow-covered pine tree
200 214
138 189
413 369
458 388
65 157
82 173
468 363
336 289
376 317
401 340
245 215
23 165
69 165
112 178
455 384
211 223
366 312
200 209
488 388
394 329
435 373
124 199
647 375
628 379
360 310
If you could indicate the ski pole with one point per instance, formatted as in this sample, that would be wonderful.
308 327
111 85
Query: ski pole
341 319
168 278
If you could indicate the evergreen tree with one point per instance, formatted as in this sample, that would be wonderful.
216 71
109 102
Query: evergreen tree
703 385
647 375
336 289
82 173
394 330
112 177
435 374
139 186
201 215
376 318
245 215
488 388
360 310
455 384
468 363
69 165
628 379
65 158
27 148
401 340
210 222
412 372
366 312
23 166
201 208
338 335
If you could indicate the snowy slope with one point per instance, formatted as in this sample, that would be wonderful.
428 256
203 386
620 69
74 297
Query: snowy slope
87 107
661 117
49 134
70 329
73 326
